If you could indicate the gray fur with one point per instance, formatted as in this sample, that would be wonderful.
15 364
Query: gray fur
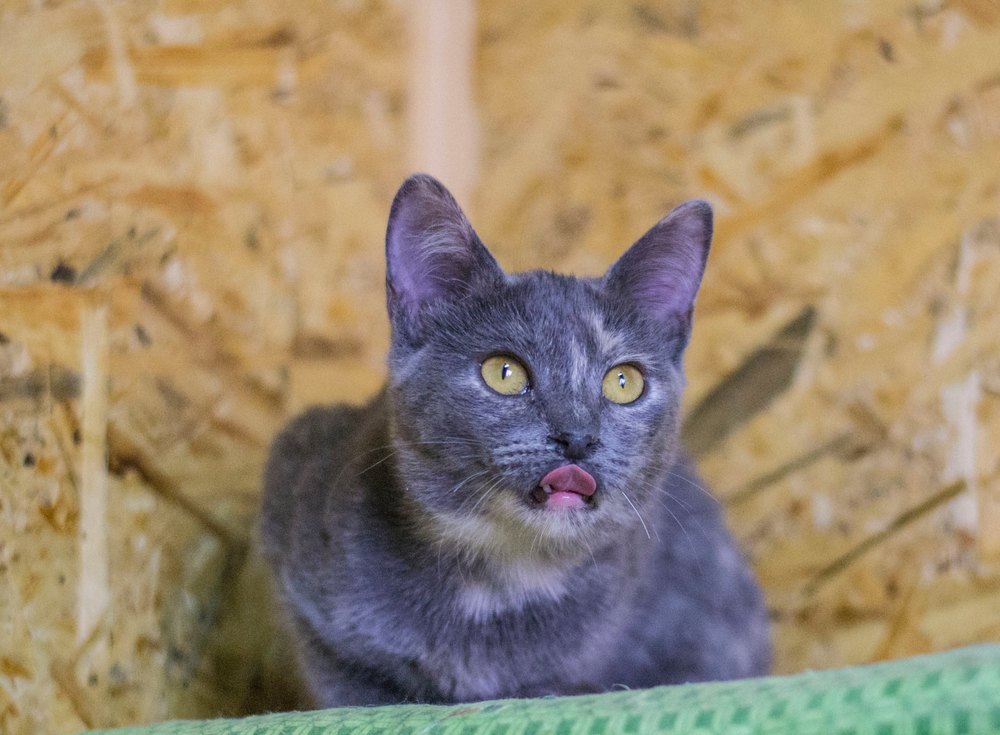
404 545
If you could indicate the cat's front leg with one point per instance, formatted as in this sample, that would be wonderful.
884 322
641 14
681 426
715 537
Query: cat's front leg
335 682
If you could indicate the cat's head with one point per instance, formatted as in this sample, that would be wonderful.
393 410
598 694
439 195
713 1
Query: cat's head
535 408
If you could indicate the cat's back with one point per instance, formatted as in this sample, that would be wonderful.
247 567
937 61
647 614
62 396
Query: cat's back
302 465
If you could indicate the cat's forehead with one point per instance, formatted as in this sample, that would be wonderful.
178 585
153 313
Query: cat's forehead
563 300
555 289
541 311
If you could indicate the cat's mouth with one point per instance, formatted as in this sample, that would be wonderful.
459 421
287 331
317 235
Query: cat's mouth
568 486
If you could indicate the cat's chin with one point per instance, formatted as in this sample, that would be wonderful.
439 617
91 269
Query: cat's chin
514 525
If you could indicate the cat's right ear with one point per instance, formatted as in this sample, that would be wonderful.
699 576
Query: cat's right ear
432 253
660 274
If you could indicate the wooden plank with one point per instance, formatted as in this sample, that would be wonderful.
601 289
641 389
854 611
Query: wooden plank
94 590
442 121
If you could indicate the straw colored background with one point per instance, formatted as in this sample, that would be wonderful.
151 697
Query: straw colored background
192 204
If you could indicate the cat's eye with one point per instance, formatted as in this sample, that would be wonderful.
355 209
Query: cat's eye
623 383
505 375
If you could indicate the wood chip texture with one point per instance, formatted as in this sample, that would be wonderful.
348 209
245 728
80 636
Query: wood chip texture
192 206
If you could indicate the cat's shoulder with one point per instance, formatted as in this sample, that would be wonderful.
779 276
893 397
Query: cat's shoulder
687 493
319 429
315 428
306 455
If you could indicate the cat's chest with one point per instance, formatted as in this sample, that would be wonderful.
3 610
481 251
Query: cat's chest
533 625
510 588
455 599
475 635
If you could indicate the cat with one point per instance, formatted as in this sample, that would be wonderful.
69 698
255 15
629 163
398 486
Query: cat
511 516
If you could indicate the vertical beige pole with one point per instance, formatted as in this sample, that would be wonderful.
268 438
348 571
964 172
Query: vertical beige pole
442 125
94 593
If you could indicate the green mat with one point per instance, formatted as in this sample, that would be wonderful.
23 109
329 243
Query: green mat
951 693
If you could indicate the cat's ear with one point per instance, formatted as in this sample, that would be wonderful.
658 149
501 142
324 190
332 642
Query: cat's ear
660 274
432 252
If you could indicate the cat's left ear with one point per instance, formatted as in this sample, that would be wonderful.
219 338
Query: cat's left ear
433 255
660 274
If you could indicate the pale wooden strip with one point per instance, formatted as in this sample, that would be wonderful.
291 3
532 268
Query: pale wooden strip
93 590
441 116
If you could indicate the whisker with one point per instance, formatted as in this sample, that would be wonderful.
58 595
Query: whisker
480 494
624 467
661 490
694 484
590 550
440 545
475 474
394 448
638 515
680 524
485 494
687 536
396 443
534 543
395 452
375 464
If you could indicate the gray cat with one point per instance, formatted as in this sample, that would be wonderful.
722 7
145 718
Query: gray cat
511 516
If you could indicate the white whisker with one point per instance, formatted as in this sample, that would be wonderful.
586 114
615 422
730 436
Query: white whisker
694 484
678 521
473 475
486 493
639 516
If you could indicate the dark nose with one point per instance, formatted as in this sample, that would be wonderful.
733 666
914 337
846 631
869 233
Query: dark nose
575 444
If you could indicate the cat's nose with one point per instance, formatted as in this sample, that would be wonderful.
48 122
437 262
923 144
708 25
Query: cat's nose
575 444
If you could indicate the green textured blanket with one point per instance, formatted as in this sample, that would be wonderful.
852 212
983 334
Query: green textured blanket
951 693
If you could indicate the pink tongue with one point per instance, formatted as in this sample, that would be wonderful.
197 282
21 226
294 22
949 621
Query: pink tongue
570 479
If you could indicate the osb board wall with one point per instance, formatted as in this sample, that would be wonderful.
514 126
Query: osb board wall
192 201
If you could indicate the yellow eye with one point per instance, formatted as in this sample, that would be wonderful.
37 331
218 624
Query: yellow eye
505 375
622 384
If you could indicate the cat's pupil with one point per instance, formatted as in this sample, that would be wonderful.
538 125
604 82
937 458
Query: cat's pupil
505 371
621 380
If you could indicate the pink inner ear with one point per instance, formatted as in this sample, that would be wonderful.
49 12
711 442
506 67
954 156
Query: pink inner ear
662 271
428 262
432 252
670 284
427 242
